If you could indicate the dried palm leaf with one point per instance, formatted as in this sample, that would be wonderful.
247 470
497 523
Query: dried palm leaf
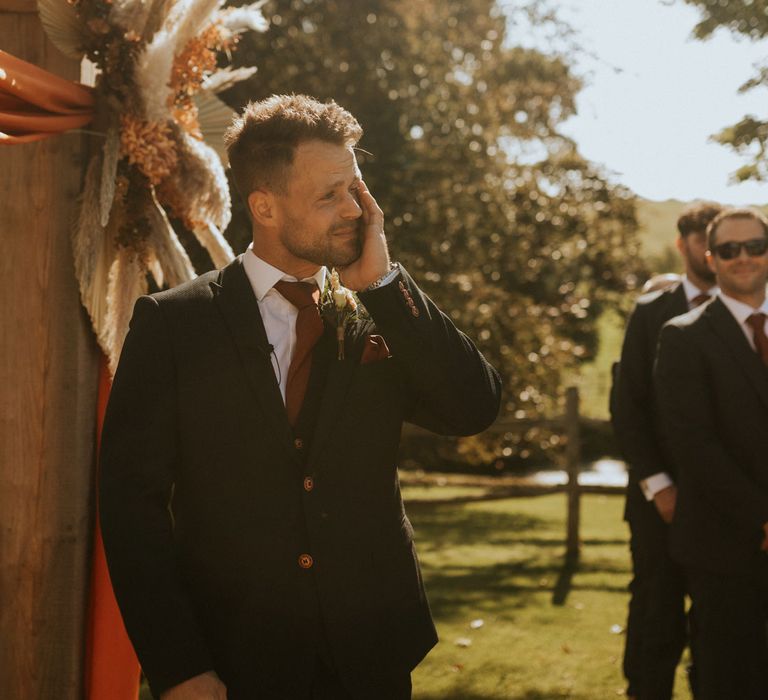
63 26
214 118
109 174
175 266
214 242
226 78
127 282
93 253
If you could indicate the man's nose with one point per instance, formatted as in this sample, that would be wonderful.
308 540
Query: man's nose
352 209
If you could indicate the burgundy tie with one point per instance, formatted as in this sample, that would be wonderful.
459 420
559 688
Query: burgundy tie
699 299
757 321
309 327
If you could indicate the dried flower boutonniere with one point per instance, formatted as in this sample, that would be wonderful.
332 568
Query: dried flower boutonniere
340 307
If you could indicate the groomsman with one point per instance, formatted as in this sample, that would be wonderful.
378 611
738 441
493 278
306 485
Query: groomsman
712 391
656 625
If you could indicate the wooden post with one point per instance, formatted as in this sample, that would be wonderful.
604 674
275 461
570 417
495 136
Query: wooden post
573 460
48 379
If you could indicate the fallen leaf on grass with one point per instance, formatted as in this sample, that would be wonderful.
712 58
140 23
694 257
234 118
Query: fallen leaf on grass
463 642
566 648
476 624
617 629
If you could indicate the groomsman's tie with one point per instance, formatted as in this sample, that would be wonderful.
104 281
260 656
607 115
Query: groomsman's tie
309 327
699 299
757 321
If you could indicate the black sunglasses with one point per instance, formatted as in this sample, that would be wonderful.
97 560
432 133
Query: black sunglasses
732 249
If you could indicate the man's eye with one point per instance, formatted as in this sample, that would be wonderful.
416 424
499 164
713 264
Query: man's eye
329 195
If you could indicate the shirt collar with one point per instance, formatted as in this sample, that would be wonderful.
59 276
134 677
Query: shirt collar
263 276
692 291
741 311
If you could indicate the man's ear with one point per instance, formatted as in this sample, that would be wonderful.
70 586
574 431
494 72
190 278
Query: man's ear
680 245
263 207
710 261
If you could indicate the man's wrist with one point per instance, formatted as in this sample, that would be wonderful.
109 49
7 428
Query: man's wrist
385 279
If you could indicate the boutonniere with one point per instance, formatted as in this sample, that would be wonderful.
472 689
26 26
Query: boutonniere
339 307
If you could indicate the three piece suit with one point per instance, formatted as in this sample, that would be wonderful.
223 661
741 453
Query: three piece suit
238 543
656 626
712 395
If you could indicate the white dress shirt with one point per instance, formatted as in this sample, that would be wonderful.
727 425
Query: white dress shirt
657 482
278 314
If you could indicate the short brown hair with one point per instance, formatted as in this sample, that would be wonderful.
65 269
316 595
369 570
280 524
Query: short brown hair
696 217
262 141
735 213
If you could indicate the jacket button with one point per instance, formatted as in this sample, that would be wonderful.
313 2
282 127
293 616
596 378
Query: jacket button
309 483
306 561
298 443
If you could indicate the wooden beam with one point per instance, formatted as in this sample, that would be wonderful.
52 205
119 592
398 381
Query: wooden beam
48 375
18 7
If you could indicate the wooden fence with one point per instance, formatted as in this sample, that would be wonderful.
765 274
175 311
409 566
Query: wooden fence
569 425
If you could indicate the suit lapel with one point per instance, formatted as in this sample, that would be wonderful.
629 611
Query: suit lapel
236 301
678 302
340 374
727 328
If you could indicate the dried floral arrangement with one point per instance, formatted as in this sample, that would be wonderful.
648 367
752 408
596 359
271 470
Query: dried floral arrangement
162 152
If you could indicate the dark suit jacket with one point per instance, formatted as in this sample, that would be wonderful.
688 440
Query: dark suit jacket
635 419
712 392
204 504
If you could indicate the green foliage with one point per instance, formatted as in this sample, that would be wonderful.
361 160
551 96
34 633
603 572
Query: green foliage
497 215
749 137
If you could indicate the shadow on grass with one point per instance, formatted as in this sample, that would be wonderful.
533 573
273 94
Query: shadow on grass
478 582
563 585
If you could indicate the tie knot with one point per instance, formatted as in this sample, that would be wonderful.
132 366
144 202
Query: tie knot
757 321
699 299
300 294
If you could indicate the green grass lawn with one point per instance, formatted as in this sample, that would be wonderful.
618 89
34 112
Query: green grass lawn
545 634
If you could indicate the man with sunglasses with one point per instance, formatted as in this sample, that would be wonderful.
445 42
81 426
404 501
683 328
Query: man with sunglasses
711 381
656 624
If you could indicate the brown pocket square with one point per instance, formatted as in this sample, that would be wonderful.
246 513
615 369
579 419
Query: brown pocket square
375 349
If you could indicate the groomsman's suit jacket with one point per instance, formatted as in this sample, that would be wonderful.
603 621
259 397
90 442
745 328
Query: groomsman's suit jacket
712 391
636 419
239 544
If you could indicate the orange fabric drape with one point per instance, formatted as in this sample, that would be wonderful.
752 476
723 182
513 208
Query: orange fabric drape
35 104
112 669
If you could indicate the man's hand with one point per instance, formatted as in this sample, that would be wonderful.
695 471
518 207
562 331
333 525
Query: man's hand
374 259
764 545
664 501
206 686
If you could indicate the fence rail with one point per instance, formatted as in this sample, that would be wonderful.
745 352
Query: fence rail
569 424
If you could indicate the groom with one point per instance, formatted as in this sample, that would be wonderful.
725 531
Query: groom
249 500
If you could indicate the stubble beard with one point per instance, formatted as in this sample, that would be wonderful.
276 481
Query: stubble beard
324 249
702 270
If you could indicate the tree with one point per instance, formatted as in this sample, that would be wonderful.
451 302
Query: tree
495 212
748 137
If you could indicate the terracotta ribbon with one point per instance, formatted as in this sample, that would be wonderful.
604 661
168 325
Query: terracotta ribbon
36 104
